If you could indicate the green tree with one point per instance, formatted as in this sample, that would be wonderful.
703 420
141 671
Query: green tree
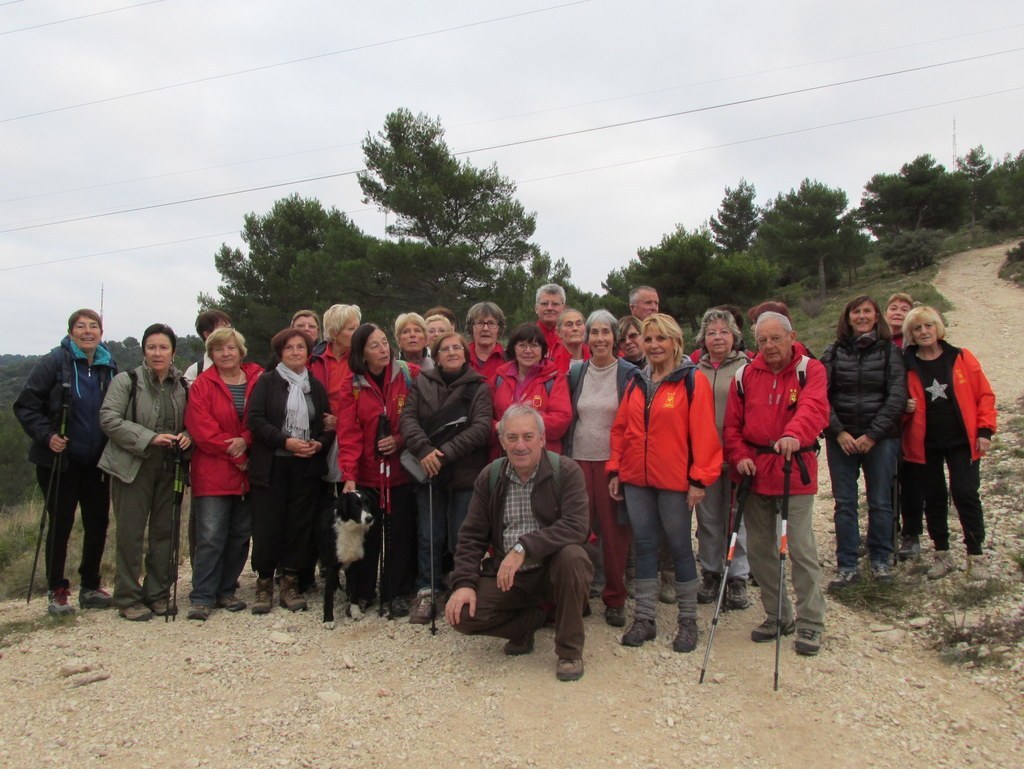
912 250
806 232
922 194
736 224
975 167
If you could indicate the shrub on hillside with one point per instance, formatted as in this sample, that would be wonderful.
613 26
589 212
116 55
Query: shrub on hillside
912 250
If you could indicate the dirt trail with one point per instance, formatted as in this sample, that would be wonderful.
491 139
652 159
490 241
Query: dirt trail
279 691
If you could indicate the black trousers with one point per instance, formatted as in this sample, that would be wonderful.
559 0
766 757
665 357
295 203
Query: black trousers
399 573
87 487
283 517
964 482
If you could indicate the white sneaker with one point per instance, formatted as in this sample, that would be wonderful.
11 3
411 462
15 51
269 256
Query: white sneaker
942 565
977 567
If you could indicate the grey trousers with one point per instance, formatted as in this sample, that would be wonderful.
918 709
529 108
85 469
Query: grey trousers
713 531
147 500
763 551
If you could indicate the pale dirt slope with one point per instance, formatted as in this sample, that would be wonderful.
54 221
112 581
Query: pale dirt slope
243 691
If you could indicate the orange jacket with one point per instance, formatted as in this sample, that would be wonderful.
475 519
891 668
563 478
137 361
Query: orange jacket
673 441
972 397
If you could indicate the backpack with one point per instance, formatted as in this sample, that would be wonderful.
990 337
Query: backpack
134 377
498 467
801 375
687 383
547 384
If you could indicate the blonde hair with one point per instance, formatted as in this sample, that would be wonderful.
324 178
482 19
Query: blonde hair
221 336
442 319
405 319
666 325
337 316
923 314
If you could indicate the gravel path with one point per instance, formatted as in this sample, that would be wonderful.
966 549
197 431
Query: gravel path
280 691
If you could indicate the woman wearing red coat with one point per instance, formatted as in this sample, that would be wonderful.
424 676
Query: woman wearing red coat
369 440
951 417
530 378
215 418
664 452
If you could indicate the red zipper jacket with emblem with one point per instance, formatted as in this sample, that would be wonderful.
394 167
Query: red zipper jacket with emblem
555 407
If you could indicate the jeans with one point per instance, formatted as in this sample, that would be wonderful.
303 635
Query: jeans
879 467
450 510
647 507
223 528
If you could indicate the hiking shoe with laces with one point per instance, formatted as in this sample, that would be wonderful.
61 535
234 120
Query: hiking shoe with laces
641 631
686 635
59 606
709 586
161 607
399 607
93 599
881 572
137 612
615 616
977 567
422 609
766 630
844 578
231 602
569 670
808 641
199 612
910 547
736 594
942 565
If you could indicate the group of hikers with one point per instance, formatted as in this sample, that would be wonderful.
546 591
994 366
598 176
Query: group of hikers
515 476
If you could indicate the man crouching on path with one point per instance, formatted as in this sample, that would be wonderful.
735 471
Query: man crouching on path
530 510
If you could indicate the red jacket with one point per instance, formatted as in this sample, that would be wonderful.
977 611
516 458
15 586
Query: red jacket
562 359
331 372
775 406
555 407
972 395
671 443
490 366
212 421
362 402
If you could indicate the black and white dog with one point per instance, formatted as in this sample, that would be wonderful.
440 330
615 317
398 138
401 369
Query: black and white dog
341 543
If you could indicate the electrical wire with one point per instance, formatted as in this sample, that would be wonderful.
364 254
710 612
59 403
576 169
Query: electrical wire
78 18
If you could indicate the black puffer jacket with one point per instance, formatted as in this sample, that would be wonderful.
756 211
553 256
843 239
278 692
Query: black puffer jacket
867 388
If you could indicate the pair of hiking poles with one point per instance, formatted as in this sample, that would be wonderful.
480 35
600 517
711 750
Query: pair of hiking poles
52 495
741 499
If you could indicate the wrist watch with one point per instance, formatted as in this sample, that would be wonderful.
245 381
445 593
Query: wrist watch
518 548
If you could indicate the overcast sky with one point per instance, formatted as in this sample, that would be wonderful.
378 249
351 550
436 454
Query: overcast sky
145 105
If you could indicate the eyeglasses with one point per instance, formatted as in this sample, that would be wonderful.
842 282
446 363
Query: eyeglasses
486 324
774 341
527 345
551 304
450 348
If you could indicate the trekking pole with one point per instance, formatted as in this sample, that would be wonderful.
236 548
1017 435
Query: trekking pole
52 492
179 495
383 432
787 469
741 501
433 593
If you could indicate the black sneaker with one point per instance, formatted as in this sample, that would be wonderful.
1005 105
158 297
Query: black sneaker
766 630
844 578
641 631
808 641
910 547
736 594
686 635
93 599
709 587
615 616
399 607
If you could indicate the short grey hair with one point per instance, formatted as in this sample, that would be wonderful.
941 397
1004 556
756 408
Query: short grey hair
710 317
787 326
605 317
550 288
635 292
520 410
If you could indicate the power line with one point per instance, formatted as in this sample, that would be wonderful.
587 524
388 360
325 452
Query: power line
78 18
517 143
485 121
579 171
314 57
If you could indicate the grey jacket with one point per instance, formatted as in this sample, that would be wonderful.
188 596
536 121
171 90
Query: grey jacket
129 440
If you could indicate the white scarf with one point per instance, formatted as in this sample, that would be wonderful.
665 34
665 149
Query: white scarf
296 416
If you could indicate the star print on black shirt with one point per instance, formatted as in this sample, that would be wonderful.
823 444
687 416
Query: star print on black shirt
943 427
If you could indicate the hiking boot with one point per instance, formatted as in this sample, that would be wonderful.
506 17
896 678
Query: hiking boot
569 670
977 567
736 593
910 547
881 572
160 607
399 607
942 564
639 632
686 635
289 596
766 630
59 606
93 599
667 592
199 611
516 647
709 586
231 602
137 612
264 600
844 578
615 616
808 641
423 608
